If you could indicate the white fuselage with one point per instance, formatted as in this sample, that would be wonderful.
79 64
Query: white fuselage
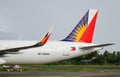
52 51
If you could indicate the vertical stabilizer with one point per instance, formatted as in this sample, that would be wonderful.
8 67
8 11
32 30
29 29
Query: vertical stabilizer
84 30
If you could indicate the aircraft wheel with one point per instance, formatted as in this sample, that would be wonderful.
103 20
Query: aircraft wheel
20 70
8 70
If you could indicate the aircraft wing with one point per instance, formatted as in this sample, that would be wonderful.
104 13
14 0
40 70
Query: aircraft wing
15 50
97 46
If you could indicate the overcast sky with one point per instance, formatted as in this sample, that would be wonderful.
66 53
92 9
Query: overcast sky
31 19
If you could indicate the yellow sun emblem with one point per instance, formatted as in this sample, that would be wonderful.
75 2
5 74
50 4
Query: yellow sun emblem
79 32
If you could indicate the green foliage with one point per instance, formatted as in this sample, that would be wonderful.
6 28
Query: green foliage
95 58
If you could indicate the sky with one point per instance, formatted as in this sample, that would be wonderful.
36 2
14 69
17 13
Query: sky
31 19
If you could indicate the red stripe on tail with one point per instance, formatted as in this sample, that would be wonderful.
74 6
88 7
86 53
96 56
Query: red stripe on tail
88 34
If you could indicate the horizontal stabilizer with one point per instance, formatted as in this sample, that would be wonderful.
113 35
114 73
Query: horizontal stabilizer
95 46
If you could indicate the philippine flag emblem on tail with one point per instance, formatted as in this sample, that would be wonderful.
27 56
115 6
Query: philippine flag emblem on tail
73 49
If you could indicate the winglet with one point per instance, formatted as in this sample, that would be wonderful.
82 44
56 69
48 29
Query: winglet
45 38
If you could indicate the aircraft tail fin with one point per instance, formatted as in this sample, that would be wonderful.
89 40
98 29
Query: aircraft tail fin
83 32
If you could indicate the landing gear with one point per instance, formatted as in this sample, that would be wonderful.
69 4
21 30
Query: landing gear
12 68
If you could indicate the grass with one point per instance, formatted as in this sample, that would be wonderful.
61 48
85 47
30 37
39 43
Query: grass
83 68
88 68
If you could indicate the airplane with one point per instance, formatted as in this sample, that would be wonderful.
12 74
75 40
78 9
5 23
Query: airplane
77 43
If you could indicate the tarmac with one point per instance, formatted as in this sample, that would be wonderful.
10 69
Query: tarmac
58 74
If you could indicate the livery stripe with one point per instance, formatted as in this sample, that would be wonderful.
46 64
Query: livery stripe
88 34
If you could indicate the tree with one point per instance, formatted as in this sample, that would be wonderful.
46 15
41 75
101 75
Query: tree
107 57
118 58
